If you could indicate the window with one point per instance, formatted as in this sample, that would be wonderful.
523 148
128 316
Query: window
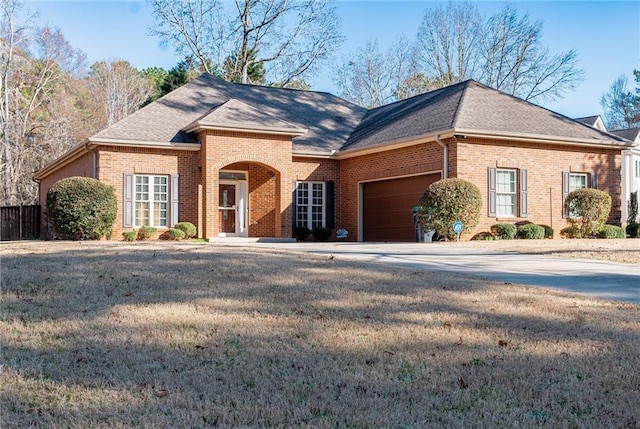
508 191
310 204
151 201
577 181
637 169
506 197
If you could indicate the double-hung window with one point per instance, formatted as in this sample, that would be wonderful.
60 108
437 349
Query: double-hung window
508 192
310 204
506 196
151 200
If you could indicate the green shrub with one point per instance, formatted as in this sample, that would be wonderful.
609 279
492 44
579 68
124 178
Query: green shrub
130 235
588 209
447 201
321 233
301 233
81 208
612 231
504 231
174 234
548 231
483 236
146 232
530 231
633 230
188 228
571 232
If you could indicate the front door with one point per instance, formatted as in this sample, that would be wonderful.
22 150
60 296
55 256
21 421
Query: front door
232 209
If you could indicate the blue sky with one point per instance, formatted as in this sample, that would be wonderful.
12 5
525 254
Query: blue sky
605 33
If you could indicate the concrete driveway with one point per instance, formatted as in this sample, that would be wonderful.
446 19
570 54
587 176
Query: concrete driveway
602 279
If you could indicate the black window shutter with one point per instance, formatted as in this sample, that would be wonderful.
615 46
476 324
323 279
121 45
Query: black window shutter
174 200
565 192
128 200
330 204
492 192
594 180
294 203
524 210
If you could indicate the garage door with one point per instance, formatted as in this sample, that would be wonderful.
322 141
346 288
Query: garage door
387 205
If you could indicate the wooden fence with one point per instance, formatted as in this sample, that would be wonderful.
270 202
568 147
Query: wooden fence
20 223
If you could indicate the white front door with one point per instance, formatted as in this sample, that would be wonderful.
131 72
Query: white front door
232 208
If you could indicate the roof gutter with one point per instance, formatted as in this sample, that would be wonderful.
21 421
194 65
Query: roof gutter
565 141
445 157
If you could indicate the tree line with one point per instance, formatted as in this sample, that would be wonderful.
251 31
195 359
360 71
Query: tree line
52 99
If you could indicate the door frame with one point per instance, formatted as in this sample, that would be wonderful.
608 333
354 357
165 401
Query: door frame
242 205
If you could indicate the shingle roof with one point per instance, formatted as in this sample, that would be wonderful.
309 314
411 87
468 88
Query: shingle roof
234 113
328 119
631 134
589 120
468 106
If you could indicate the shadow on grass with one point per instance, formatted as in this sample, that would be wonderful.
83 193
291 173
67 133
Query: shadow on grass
197 336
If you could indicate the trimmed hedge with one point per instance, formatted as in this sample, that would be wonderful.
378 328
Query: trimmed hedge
612 231
174 234
301 233
483 236
146 232
633 230
321 234
81 208
504 231
188 228
530 231
548 231
571 232
589 210
447 201
130 235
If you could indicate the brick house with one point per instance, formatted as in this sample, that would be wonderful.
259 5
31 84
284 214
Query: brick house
251 161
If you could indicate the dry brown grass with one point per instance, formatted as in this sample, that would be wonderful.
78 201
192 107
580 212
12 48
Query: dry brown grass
181 335
625 251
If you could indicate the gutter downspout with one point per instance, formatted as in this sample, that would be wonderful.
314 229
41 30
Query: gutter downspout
445 156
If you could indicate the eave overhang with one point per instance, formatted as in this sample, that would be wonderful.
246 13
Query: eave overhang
198 126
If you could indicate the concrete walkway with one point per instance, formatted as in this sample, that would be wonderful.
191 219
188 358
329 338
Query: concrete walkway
602 279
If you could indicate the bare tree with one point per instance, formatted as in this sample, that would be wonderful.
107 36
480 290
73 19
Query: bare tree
289 38
447 41
119 88
514 59
36 66
621 106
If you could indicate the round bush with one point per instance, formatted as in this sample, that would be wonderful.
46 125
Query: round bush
548 231
301 233
188 228
146 232
483 236
175 234
570 232
81 208
130 235
588 209
530 231
633 230
321 233
611 231
505 231
447 201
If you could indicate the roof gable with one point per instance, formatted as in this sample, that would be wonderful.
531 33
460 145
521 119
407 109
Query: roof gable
329 120
471 107
631 134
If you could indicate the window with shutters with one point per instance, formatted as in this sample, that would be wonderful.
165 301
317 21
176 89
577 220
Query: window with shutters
151 201
310 204
506 195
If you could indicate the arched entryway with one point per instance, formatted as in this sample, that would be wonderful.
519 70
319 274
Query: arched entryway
249 200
